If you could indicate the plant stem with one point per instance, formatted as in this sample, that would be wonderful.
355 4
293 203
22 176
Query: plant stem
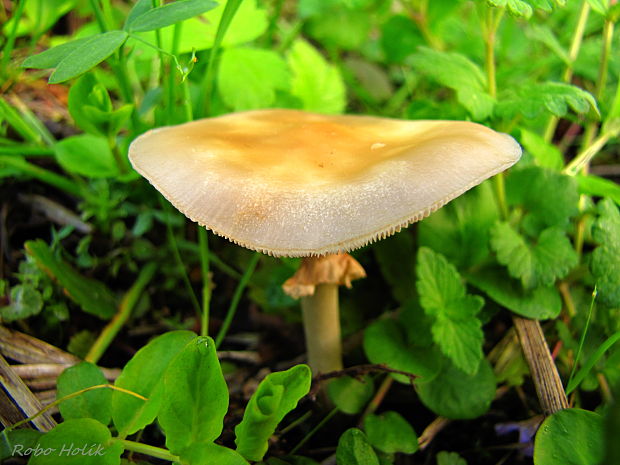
152 451
232 309
103 27
572 56
27 151
313 431
544 373
322 329
42 174
375 402
491 25
203 243
130 299
7 50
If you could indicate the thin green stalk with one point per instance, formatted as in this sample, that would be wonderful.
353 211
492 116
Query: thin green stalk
177 257
273 23
106 7
42 174
492 22
572 56
27 151
313 431
119 159
582 340
203 242
152 451
232 308
584 157
99 17
204 100
7 50
500 195
130 299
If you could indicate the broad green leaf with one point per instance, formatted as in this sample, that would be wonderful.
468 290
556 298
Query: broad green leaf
354 449
550 198
143 375
138 9
570 437
460 230
86 155
599 187
248 78
340 27
390 433
604 262
349 394
88 55
92 296
385 342
399 38
546 154
275 396
540 264
170 13
24 301
196 396
532 100
53 56
316 83
449 458
459 73
455 328
82 441
14 443
38 17
396 258
95 404
457 395
542 302
612 430
206 453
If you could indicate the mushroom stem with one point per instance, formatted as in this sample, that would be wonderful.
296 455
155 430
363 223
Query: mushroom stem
322 329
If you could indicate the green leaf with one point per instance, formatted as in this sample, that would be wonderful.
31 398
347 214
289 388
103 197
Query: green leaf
349 394
354 449
86 155
82 441
460 230
275 396
53 56
599 187
449 458
600 6
95 404
399 38
340 27
390 433
540 264
38 17
14 443
612 430
459 73
546 154
143 375
92 296
545 35
138 9
570 437
532 100
542 303
24 300
457 395
248 78
196 396
318 84
550 198
455 328
169 14
396 258
604 262
385 342
88 55
204 453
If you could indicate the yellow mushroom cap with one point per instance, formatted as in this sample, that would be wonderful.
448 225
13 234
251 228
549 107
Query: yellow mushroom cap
293 183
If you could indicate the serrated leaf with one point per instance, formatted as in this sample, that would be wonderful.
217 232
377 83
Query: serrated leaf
354 449
196 396
25 300
599 187
390 433
275 396
604 263
455 328
95 404
545 153
92 296
53 56
143 375
88 55
248 78
81 441
316 83
169 14
457 395
540 264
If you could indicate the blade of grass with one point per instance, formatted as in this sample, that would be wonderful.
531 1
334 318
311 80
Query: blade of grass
236 298
589 364
42 174
27 151
7 50
17 122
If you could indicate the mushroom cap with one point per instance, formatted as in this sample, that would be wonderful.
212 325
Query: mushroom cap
294 183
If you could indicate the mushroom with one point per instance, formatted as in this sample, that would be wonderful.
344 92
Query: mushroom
299 184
